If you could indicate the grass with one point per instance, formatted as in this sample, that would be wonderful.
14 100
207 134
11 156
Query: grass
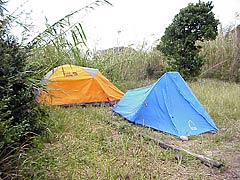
222 57
92 143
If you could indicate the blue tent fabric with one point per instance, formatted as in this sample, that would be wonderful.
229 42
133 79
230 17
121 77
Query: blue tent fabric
168 105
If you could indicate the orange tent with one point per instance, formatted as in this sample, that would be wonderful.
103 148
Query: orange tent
69 84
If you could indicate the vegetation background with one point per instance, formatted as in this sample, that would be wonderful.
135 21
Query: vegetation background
91 143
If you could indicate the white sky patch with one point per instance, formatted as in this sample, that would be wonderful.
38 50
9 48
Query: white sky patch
126 23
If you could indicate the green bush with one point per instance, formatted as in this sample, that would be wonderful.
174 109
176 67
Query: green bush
21 116
194 23
20 112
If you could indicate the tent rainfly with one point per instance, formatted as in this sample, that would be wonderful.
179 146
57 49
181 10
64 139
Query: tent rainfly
168 105
70 84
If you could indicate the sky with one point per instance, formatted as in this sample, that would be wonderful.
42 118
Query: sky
126 23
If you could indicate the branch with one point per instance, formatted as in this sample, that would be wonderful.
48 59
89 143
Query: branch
205 160
216 65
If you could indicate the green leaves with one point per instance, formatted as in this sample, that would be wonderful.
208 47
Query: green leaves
20 113
63 42
194 23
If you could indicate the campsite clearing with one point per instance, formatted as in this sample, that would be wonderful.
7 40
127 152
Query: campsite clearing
92 143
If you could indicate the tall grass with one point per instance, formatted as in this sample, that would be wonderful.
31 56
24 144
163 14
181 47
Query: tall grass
121 64
62 42
222 57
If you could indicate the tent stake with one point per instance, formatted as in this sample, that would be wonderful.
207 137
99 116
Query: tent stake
205 160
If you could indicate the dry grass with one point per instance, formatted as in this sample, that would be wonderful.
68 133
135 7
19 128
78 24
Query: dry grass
222 57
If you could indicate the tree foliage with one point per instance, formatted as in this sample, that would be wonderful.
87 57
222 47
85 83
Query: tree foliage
194 23
21 116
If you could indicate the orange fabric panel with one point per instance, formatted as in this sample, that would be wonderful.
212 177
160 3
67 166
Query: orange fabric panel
112 91
68 92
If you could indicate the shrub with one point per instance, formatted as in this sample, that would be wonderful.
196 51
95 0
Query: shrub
194 23
21 116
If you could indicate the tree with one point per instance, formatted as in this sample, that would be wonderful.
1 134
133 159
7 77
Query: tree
192 24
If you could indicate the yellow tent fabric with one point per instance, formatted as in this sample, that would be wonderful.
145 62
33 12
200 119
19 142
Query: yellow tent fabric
70 84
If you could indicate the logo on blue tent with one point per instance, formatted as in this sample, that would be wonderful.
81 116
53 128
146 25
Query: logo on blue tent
192 125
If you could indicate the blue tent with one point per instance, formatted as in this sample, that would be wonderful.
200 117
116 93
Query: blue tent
168 105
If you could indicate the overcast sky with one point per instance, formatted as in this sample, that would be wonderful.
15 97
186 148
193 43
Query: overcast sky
126 23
